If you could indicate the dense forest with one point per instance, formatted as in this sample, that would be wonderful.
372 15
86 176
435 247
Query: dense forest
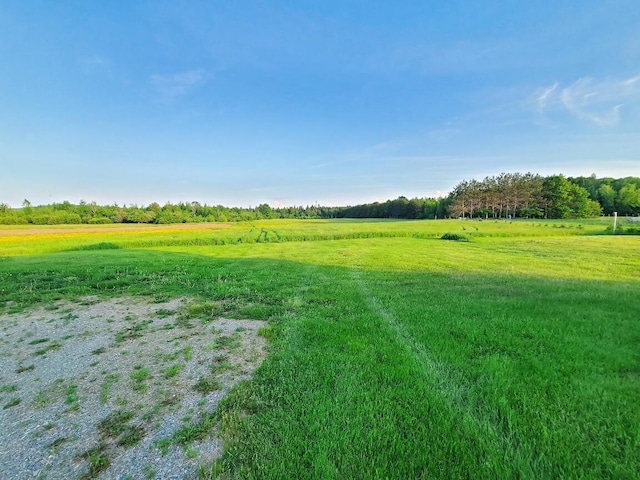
508 195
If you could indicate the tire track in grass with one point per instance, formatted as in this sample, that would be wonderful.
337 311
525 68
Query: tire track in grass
451 389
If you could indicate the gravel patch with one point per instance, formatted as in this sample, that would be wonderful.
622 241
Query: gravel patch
112 389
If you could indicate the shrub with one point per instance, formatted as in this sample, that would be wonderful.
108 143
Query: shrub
454 236
100 221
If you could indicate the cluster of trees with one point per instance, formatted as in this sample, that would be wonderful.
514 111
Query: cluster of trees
528 195
508 195
505 195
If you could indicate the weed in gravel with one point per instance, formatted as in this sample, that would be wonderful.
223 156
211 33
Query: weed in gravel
206 385
41 399
71 395
187 353
68 317
115 423
8 388
192 432
135 331
131 435
109 380
12 403
220 364
88 301
164 312
53 446
99 351
48 348
169 399
183 322
149 414
97 459
39 340
148 471
173 370
191 453
162 444
139 375
229 342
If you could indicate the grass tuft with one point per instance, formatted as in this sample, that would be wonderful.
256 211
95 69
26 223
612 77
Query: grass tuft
207 385
12 403
98 461
51 347
131 435
173 370
192 432
27 368
140 375
115 423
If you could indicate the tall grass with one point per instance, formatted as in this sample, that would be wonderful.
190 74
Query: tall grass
33 240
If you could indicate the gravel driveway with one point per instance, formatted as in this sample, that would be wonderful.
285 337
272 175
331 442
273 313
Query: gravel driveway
114 389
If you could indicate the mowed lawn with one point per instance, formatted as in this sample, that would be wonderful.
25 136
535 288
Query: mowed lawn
393 353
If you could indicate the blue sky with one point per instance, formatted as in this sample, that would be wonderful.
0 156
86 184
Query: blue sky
297 103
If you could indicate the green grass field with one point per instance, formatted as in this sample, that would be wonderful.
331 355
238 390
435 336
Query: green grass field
393 353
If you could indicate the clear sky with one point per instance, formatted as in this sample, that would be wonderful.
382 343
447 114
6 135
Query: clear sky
296 103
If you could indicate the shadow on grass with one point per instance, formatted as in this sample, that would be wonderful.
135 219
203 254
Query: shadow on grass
97 246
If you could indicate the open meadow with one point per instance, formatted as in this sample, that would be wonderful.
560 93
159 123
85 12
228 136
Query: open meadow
390 352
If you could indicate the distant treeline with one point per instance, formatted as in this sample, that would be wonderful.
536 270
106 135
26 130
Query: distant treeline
514 195
401 207
508 195
92 213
